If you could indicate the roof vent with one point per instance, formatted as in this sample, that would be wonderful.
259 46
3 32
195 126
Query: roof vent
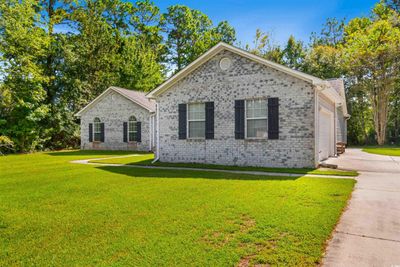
225 63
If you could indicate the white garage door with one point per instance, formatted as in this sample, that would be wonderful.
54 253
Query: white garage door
325 134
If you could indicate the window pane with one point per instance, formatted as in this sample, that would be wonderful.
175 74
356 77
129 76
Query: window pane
257 128
97 137
197 111
132 136
97 128
249 108
260 109
256 108
132 126
197 129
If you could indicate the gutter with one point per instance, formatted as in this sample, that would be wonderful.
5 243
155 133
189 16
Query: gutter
158 134
316 126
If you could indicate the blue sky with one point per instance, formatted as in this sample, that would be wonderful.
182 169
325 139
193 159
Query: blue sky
280 17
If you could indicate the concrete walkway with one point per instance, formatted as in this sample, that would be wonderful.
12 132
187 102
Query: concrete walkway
368 233
87 161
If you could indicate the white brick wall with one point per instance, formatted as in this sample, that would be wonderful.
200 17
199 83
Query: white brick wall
114 109
243 80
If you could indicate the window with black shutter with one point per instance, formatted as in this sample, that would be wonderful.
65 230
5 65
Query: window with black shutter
273 118
138 131
209 120
239 119
182 121
125 132
90 132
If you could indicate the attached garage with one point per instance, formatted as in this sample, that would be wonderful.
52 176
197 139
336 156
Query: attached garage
326 134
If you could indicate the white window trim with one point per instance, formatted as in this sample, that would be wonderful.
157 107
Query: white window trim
188 121
129 130
255 118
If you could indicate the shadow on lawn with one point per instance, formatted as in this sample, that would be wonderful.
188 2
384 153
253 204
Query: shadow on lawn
160 173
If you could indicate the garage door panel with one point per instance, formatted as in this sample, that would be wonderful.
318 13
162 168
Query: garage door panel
325 134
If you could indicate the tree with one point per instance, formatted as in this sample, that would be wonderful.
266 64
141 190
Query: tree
190 33
294 53
372 57
23 48
331 33
393 4
324 61
224 32
263 46
47 75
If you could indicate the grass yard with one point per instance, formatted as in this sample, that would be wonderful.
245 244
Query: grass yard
146 160
54 213
389 151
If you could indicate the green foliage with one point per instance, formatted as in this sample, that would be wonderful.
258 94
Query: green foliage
331 34
6 145
190 33
389 151
324 61
47 75
23 46
294 53
263 46
372 60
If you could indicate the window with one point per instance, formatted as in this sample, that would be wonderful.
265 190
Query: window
97 130
197 120
132 129
256 118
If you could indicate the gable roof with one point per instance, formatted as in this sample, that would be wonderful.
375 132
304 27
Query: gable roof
223 46
338 85
136 97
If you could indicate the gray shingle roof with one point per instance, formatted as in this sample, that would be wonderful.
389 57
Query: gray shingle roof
338 85
137 97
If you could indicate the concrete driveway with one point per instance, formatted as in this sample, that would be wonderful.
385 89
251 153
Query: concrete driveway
368 233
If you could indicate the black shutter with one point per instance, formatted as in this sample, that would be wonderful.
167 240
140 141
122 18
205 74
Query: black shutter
209 120
125 129
90 132
182 121
273 118
139 131
102 132
239 119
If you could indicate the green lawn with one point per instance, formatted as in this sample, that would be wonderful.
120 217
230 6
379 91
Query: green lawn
54 213
389 151
146 160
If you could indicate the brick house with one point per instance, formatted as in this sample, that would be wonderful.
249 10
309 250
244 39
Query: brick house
234 108
118 119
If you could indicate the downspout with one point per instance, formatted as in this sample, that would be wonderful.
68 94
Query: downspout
150 131
316 127
158 134
335 132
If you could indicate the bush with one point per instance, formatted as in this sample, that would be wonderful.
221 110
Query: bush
6 145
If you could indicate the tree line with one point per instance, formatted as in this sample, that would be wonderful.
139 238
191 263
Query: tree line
57 55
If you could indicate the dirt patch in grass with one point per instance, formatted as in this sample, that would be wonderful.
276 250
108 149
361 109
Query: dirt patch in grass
235 227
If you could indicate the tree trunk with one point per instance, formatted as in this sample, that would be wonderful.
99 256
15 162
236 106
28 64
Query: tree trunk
380 105
50 59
